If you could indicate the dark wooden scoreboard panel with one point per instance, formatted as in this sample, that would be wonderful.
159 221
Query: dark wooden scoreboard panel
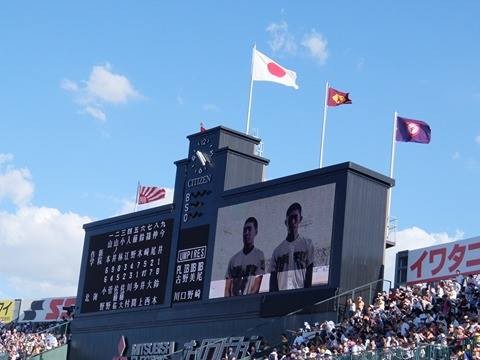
127 268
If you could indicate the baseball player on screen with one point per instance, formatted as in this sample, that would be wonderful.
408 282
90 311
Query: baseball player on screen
291 266
246 268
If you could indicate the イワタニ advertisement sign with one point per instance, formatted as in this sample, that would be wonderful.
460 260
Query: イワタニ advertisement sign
45 310
443 261
7 311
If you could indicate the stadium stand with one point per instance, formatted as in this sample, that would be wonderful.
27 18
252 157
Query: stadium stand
434 321
424 321
25 340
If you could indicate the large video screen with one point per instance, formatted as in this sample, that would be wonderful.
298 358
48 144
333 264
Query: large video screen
273 244
127 268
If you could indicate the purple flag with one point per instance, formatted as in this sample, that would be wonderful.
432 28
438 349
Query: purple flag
409 130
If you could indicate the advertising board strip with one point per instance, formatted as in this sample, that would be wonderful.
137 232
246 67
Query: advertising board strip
443 261
7 311
46 310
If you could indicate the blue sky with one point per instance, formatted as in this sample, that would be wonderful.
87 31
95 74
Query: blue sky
98 95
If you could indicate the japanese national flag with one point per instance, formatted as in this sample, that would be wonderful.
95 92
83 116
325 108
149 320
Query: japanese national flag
265 69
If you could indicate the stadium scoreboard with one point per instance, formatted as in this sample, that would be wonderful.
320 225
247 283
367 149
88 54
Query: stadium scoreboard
229 251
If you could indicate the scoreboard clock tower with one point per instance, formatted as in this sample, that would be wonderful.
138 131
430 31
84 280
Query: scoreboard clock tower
202 154
201 179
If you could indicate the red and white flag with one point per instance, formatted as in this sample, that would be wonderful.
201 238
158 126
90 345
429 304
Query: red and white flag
148 194
265 69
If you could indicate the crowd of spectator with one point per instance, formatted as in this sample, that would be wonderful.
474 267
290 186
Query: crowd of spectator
443 314
23 340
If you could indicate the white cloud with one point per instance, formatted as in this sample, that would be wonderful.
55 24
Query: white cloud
281 40
210 107
41 246
96 113
128 205
103 87
477 139
316 45
109 87
15 184
456 155
414 238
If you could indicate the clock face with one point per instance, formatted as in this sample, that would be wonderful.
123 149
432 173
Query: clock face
201 158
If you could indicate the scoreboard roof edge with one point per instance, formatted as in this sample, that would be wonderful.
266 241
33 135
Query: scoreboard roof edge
370 173
159 210
261 159
250 138
346 166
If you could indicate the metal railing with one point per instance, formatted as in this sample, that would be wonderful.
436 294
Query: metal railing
338 300
418 352
59 329
56 330
467 349
366 291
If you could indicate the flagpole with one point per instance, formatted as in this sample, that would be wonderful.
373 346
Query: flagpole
136 197
324 124
251 88
392 160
